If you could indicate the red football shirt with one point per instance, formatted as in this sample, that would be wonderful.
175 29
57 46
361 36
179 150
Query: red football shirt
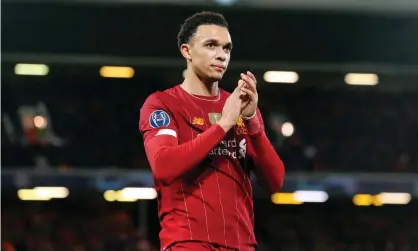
211 202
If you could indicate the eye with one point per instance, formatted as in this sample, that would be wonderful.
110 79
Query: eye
227 49
210 45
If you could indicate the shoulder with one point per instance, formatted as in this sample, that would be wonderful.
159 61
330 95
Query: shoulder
173 91
152 101
157 98
154 105
154 113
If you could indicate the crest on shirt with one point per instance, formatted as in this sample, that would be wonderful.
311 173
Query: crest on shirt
241 128
198 121
214 117
242 149
159 118
240 122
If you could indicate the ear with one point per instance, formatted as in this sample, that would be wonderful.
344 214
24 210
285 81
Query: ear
186 51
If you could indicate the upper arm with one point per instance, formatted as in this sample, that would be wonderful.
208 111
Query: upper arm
156 120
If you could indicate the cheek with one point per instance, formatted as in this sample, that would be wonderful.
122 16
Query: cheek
211 53
228 57
205 58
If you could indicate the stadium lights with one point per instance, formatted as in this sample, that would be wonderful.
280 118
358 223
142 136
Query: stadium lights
31 69
361 79
117 72
43 193
393 198
285 198
226 2
287 77
300 197
363 199
130 194
287 129
311 196
381 199
40 122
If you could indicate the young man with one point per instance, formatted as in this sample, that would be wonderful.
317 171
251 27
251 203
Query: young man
202 143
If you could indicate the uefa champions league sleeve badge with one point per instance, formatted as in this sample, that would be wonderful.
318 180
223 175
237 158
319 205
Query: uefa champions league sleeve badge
159 118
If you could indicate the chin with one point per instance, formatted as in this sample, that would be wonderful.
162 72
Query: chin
216 77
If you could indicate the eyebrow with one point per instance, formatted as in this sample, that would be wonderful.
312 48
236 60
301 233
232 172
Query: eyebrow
228 45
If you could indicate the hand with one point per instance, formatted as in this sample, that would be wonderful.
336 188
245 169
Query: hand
250 99
232 109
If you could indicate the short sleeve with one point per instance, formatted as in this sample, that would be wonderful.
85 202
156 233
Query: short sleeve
156 119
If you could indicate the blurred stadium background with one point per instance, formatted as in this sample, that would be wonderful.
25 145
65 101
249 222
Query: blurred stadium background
338 85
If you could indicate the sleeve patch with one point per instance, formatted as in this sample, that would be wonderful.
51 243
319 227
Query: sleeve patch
159 118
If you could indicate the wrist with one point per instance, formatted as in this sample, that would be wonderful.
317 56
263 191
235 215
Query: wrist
250 117
254 125
225 125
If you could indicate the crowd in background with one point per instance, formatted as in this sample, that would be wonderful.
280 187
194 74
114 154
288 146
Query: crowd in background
73 118
354 130
40 227
339 227
95 124
103 227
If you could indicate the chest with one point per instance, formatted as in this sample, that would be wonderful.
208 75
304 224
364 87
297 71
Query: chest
194 119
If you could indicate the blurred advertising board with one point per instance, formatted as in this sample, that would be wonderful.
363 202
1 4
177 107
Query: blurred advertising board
334 184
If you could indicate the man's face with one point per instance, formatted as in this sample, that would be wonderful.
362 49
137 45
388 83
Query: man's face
210 51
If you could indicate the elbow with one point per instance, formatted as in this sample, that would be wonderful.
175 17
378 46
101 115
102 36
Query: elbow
161 175
277 182
162 172
271 184
271 176
164 179
276 186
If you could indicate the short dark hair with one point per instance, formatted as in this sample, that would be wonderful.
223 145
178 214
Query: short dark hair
190 25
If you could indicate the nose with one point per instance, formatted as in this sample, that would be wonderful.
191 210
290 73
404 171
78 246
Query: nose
221 55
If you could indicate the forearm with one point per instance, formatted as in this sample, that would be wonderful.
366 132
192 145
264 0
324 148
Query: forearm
169 160
269 168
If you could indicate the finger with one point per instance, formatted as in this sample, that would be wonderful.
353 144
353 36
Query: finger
251 76
250 82
246 78
243 84
239 87
242 93
249 93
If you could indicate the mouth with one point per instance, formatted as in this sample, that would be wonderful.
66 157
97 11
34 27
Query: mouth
218 68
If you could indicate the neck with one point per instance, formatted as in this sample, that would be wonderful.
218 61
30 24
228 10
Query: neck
198 86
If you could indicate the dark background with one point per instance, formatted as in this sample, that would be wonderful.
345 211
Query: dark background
366 133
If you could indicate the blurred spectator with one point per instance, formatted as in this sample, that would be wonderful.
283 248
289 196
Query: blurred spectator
334 226
331 130
59 229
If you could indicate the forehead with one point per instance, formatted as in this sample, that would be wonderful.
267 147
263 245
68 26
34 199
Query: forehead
213 32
